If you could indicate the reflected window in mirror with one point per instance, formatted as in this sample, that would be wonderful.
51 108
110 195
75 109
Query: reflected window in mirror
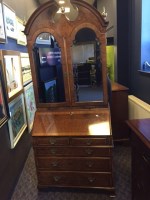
47 55
87 68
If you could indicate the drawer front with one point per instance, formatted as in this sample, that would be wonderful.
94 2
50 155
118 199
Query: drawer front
72 151
75 179
74 164
91 141
51 141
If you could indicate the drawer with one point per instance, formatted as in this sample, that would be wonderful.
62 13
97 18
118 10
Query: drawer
91 141
75 179
73 151
74 164
50 141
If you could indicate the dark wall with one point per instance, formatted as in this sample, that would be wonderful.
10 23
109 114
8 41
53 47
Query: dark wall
11 160
139 82
129 49
123 42
12 45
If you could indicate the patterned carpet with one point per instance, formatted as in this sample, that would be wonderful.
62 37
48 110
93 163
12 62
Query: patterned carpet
26 188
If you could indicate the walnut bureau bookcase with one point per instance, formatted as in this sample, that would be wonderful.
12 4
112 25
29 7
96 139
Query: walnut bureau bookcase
72 137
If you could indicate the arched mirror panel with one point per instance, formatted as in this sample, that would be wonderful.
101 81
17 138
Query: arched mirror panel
47 57
87 67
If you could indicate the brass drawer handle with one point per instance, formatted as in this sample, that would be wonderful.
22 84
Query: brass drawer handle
91 179
89 151
146 158
52 141
107 141
53 151
138 186
56 178
88 142
89 164
54 164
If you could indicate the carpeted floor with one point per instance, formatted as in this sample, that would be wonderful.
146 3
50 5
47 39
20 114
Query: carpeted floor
26 188
94 91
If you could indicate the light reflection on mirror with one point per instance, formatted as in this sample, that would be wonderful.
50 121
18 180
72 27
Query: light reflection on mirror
87 67
47 55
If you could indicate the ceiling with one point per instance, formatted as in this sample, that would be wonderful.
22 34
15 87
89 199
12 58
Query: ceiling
88 1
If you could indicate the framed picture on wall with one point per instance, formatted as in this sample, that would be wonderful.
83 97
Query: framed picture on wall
21 37
10 22
2 26
17 122
13 75
4 114
30 105
26 70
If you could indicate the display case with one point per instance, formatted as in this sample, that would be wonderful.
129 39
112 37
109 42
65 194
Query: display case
17 122
72 121
12 73
2 26
4 113
26 70
30 105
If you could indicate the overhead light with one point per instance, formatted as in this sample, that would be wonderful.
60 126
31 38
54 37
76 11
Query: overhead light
64 10
61 2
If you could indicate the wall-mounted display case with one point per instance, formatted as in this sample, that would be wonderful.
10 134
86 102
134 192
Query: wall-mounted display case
4 114
10 22
17 122
25 67
30 105
12 72
2 26
21 38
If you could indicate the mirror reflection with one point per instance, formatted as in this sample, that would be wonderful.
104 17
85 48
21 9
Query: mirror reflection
47 56
87 66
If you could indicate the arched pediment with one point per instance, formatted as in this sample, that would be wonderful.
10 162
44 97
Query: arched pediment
47 11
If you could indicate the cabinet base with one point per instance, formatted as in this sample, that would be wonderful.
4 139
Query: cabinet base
109 191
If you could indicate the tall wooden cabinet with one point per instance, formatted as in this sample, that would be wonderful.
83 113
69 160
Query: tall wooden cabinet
72 138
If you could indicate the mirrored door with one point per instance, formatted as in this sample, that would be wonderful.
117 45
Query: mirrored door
87 67
47 57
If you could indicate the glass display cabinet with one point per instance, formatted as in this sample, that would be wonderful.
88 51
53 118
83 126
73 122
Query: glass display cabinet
71 134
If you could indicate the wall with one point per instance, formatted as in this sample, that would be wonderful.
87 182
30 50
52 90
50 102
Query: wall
138 109
129 22
111 9
145 33
12 160
139 82
129 47
123 45
22 8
